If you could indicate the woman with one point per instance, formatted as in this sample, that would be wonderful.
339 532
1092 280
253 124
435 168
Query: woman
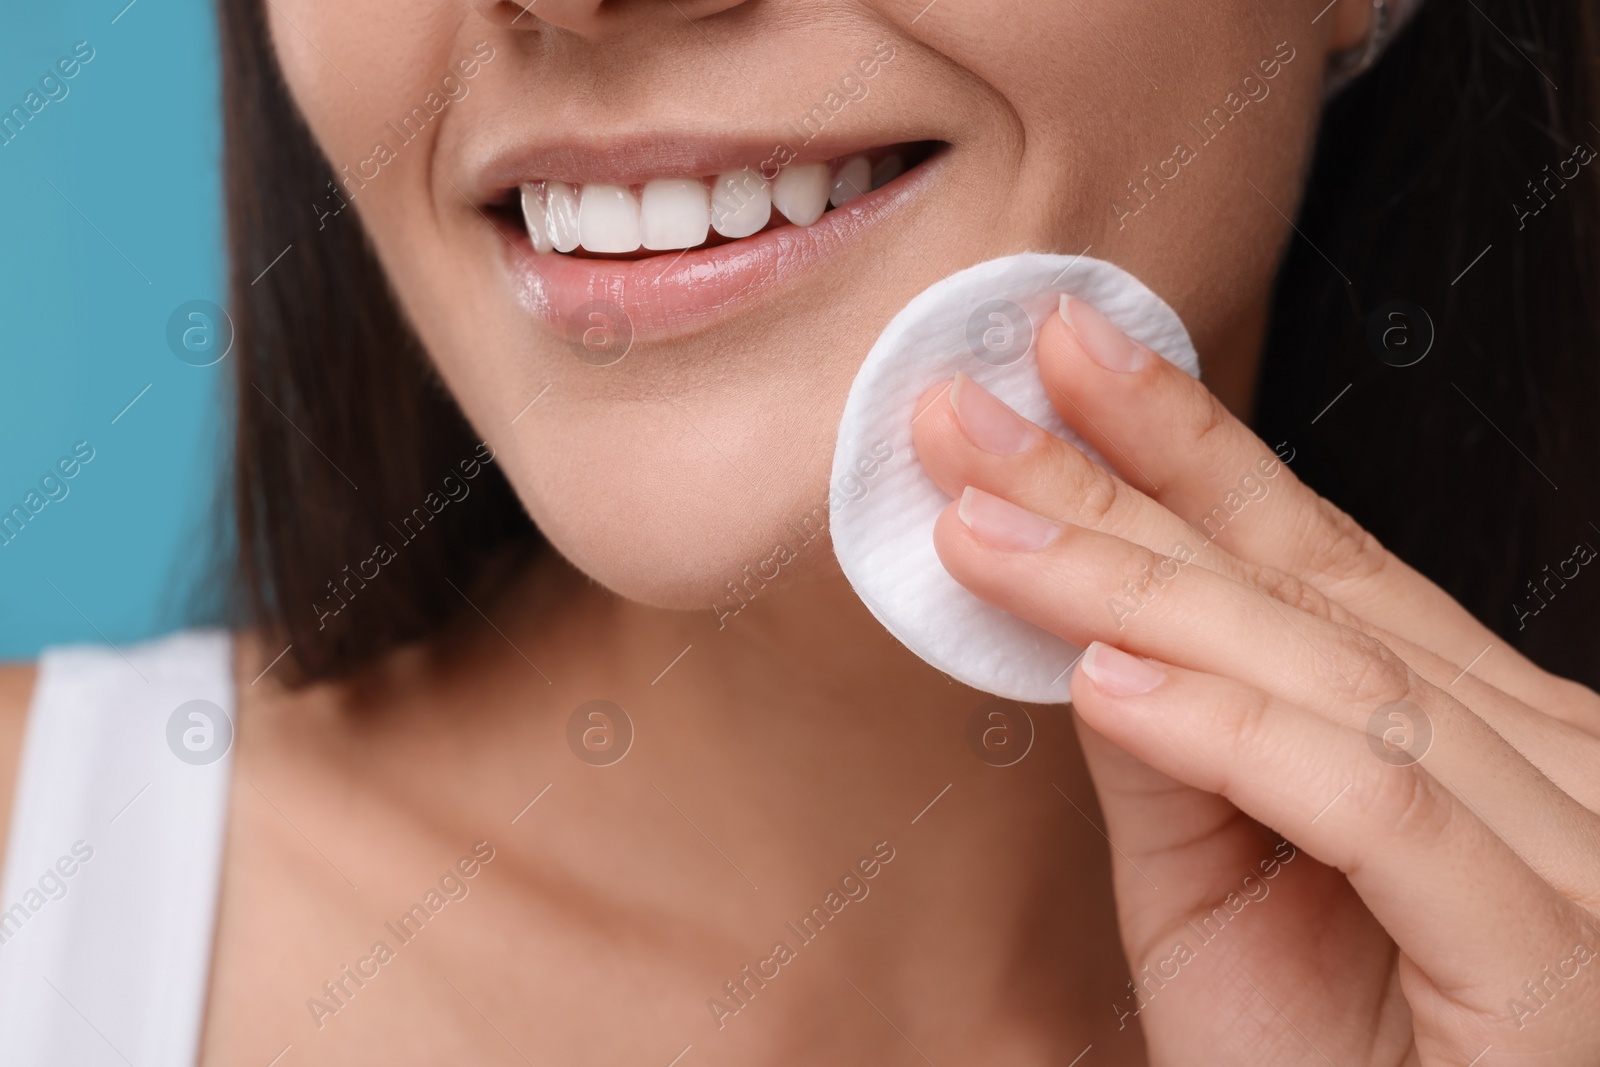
489 795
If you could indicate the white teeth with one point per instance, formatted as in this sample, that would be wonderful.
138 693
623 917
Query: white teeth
533 215
678 213
674 213
854 179
608 218
561 215
801 192
741 203
887 170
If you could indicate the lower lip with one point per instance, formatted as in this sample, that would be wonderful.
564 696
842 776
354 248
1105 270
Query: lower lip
677 292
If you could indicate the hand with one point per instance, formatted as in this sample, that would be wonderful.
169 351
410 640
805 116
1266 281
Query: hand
1429 889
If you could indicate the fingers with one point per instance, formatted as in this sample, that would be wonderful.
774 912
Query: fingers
1059 577
1176 848
1169 436
1075 583
1423 862
1566 754
966 436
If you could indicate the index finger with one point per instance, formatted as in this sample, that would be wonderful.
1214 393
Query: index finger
1167 434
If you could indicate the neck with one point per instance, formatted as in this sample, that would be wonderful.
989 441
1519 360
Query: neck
784 748
814 629
774 762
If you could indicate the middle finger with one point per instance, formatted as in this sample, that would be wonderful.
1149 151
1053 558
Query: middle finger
1055 576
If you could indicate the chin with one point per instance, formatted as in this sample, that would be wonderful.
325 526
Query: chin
689 536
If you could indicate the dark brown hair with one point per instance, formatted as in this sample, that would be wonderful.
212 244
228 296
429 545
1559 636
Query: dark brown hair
344 437
1444 179
1453 462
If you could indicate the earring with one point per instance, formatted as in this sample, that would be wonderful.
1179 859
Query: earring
1352 62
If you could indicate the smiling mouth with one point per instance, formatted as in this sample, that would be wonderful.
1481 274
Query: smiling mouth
615 221
663 238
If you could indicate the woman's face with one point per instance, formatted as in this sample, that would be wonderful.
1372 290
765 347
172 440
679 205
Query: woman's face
1168 138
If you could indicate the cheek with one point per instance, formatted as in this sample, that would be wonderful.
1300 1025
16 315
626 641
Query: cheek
356 70
1102 92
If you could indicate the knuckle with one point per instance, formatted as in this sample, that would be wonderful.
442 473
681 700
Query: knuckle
1299 594
1339 548
1288 589
1093 492
1207 420
1367 670
1247 722
1405 800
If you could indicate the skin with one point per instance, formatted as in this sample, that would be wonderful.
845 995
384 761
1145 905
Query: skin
780 750
1267 658
1054 116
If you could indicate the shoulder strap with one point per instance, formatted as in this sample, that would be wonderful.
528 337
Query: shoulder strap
112 864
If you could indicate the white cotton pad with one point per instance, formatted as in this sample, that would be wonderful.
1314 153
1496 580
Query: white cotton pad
984 321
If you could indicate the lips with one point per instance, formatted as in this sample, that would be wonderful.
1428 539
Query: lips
596 234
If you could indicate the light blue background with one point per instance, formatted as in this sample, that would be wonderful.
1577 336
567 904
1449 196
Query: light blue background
135 145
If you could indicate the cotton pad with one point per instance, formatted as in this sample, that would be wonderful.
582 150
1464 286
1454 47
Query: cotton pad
983 320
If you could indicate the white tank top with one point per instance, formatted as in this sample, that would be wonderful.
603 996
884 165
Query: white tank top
108 902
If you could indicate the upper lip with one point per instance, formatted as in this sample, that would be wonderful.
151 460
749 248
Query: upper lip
635 158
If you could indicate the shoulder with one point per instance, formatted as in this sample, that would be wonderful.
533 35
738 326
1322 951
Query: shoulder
16 693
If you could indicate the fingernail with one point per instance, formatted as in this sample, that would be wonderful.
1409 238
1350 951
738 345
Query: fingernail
1118 673
1001 524
1106 345
987 421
